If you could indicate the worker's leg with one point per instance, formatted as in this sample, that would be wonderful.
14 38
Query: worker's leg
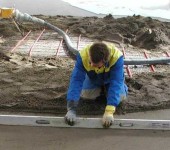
93 91
124 92
90 89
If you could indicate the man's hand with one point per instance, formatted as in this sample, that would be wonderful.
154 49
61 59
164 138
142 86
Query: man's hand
70 117
108 116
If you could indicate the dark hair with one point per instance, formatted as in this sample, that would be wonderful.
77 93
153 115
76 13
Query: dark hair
98 52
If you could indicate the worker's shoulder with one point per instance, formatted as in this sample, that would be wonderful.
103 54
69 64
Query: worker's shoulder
85 51
87 47
112 47
114 50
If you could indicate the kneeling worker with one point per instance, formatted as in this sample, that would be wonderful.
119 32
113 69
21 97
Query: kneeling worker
96 66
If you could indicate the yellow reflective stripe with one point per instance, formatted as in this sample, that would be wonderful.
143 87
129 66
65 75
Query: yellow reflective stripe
114 56
84 53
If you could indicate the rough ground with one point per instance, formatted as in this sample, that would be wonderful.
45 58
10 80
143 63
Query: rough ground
40 85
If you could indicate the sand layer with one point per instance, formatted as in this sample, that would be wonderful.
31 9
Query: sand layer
32 85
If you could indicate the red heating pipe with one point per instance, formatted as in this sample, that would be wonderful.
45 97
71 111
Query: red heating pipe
19 42
59 46
78 42
29 54
127 67
167 54
151 66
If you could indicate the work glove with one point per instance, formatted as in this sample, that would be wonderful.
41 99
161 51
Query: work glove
108 116
70 117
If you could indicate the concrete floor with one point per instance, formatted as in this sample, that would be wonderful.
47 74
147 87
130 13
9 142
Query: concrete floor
163 114
47 138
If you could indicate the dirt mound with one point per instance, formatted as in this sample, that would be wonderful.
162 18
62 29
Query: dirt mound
139 31
150 38
142 32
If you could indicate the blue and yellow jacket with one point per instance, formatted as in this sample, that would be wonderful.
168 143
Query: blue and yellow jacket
112 74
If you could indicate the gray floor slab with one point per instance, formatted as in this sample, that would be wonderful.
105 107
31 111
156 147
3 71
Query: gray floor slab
47 138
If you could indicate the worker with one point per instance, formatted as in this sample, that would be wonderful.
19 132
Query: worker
97 65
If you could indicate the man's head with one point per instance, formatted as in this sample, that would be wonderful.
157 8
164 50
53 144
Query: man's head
99 54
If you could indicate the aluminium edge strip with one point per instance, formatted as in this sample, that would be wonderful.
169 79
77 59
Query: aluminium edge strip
95 123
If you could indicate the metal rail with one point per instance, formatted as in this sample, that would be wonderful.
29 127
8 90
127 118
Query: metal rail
84 122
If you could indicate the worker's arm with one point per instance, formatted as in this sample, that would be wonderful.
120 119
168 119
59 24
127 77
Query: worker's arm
74 91
116 83
114 91
76 81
